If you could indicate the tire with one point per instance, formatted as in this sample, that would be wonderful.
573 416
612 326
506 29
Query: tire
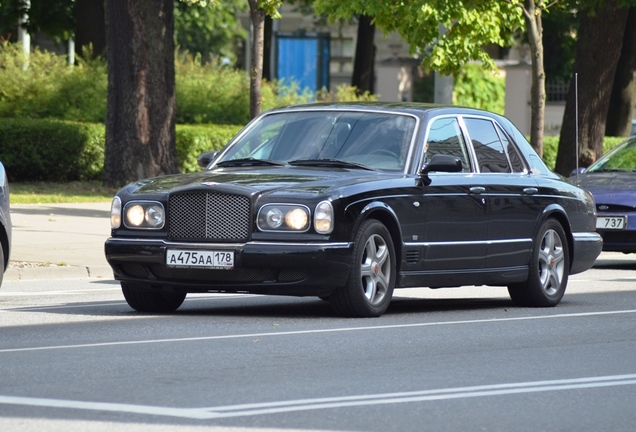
143 300
548 271
371 281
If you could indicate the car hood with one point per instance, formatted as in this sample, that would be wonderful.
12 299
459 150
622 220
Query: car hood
260 180
610 188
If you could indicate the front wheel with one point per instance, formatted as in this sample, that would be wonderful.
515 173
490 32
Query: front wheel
144 300
369 288
548 271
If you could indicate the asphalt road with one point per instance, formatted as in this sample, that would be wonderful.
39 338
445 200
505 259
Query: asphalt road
75 357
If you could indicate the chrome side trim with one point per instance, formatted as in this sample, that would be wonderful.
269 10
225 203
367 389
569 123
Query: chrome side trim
459 243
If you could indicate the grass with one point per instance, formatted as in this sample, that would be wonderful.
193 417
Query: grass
71 192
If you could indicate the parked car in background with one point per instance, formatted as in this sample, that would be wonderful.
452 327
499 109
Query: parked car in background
347 202
612 182
5 222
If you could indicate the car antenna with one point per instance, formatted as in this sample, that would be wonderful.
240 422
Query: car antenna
576 123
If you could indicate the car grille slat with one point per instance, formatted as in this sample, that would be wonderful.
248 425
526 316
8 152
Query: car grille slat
208 216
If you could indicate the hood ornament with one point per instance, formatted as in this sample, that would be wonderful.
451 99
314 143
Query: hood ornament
209 183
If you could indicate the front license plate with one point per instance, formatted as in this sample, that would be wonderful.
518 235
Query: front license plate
199 258
610 222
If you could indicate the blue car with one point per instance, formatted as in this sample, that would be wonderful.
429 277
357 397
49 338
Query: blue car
612 182
5 222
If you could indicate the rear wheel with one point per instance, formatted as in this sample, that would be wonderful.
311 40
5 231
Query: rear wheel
549 269
369 288
143 300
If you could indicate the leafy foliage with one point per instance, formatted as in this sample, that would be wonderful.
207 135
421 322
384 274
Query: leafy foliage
192 140
209 30
479 88
45 86
51 150
468 26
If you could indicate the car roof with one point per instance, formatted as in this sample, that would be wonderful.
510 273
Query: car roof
416 108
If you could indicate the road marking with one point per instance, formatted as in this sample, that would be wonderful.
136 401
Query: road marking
332 402
315 331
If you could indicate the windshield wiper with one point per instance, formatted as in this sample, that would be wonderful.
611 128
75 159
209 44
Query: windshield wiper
248 162
337 163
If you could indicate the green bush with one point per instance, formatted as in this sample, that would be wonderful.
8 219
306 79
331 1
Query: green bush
60 151
551 145
45 86
479 88
192 140
51 150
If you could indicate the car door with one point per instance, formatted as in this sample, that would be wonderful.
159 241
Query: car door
455 212
511 194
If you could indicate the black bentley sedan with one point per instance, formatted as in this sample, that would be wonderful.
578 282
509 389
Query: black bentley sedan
349 201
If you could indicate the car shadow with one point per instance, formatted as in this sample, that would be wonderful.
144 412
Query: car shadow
44 210
616 264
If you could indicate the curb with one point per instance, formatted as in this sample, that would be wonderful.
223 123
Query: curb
58 272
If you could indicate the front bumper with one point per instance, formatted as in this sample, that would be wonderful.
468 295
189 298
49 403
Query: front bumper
259 267
587 247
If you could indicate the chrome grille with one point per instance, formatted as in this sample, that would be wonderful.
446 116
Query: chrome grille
209 216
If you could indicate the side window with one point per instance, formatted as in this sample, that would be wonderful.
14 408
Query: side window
445 137
513 154
490 152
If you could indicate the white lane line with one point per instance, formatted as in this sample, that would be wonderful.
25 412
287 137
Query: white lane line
315 331
334 402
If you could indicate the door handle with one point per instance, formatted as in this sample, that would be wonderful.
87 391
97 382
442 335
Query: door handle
477 190
530 190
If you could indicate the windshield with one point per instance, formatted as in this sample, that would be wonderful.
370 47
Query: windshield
348 139
620 158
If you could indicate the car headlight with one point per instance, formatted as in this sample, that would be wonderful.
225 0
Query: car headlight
323 218
283 217
115 213
144 215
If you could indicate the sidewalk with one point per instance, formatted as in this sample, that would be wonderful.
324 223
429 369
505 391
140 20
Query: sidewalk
53 241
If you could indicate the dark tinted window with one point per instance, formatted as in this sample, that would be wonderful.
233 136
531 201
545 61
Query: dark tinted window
488 147
513 153
445 137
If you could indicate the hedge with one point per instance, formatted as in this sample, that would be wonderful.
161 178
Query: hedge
60 151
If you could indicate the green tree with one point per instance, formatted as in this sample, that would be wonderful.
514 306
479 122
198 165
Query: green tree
140 111
259 9
209 30
598 49
469 26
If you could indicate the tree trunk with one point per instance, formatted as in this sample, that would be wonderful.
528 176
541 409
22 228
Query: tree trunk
534 30
90 26
267 47
621 107
598 47
363 75
257 16
140 118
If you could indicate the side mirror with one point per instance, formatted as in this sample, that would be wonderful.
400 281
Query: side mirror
441 163
204 159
